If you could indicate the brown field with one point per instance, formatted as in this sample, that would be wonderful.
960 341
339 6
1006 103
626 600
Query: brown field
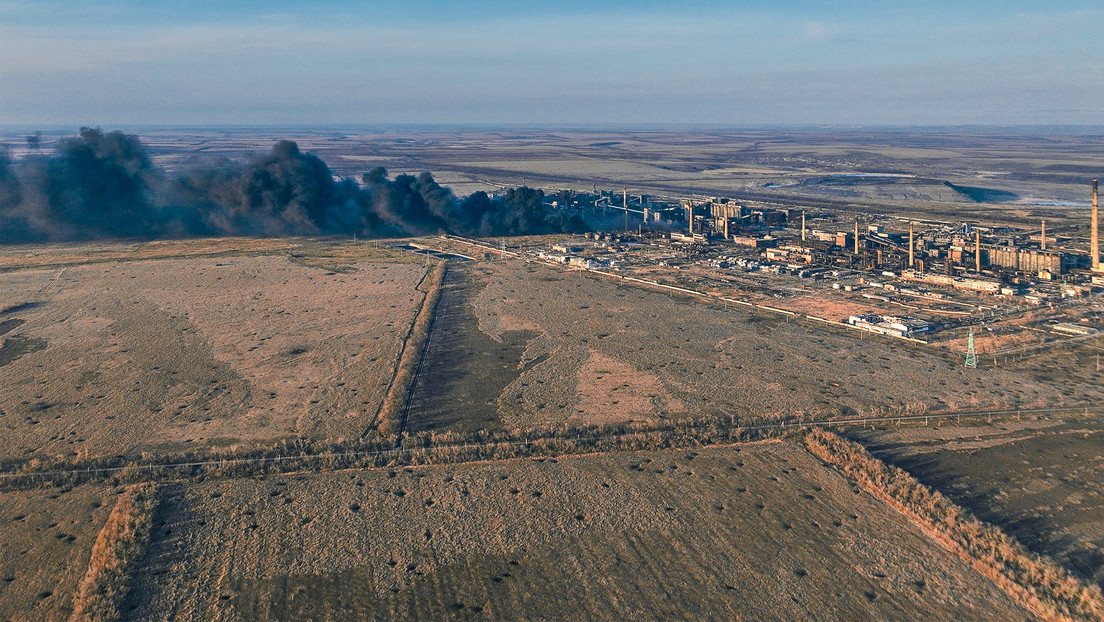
812 167
1040 480
692 358
47 537
225 346
758 532
169 354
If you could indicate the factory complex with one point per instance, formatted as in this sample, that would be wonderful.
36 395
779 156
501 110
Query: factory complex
885 274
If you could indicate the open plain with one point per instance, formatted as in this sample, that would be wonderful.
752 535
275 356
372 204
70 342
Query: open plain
1039 479
756 532
137 355
995 174
243 376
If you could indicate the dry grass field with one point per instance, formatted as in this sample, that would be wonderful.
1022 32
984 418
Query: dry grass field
154 349
1041 480
46 538
146 355
685 358
756 532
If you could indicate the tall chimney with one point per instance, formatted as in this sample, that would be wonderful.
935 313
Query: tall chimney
1094 247
912 263
1042 237
726 222
977 251
802 225
626 199
856 237
691 205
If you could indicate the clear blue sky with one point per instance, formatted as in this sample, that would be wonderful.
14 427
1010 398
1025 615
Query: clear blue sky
121 63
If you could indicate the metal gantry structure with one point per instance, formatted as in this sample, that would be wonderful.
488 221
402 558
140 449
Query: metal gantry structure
971 355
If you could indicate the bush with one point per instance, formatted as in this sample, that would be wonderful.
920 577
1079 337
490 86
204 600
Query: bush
118 547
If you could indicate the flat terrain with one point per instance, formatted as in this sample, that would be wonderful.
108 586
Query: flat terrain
1040 480
596 351
173 353
999 174
225 346
758 532
46 537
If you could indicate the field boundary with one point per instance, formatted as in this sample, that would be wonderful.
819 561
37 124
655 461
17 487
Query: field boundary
451 447
1036 581
119 546
390 418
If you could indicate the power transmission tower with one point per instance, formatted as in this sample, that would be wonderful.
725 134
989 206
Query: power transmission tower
971 355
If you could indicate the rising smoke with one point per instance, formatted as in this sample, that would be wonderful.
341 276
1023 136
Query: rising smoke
104 185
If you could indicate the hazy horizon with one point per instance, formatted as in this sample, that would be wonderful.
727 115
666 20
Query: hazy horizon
536 63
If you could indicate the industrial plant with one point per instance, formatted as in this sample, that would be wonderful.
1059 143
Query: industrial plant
915 279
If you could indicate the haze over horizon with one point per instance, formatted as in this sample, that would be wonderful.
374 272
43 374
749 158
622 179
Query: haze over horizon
495 62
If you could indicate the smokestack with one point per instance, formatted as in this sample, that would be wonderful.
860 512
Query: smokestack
977 251
691 205
1042 237
856 237
912 263
802 225
626 199
1094 247
726 222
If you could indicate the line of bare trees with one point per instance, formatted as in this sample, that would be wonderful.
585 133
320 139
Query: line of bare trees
1040 584
119 546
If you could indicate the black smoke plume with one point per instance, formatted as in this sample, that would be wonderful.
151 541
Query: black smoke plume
104 185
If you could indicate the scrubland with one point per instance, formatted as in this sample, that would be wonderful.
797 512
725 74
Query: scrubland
571 451
172 354
759 531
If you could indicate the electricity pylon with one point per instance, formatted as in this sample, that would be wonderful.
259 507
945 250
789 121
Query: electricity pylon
971 355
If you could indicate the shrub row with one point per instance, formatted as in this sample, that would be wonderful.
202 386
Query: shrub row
118 547
389 419
1039 583
416 449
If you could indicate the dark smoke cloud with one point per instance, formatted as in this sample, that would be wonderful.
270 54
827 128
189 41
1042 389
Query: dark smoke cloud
103 185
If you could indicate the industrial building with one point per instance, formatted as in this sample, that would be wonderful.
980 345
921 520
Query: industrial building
889 325
1029 259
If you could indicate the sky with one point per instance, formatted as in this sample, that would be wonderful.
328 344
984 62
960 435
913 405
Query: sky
125 63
